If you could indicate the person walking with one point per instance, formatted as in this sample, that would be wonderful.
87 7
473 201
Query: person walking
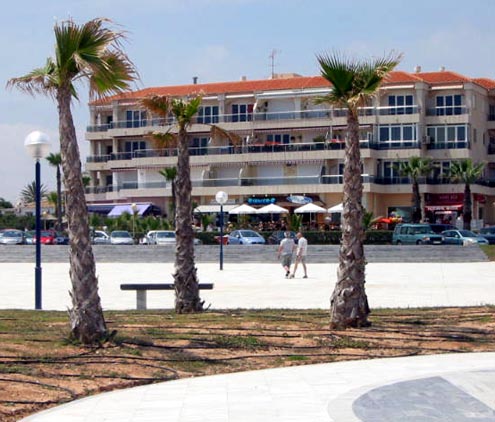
285 250
302 248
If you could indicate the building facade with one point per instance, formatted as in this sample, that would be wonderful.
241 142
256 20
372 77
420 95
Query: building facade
281 145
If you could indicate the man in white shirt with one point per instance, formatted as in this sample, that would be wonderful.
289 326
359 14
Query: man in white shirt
285 250
302 248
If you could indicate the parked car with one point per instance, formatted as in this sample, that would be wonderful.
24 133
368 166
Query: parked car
121 237
11 237
416 234
489 234
245 237
163 237
29 237
276 237
148 238
166 237
47 237
100 237
463 237
62 239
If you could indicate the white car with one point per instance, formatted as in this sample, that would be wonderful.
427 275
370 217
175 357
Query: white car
165 237
100 238
121 237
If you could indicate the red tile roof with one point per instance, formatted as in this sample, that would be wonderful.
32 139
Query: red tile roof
302 82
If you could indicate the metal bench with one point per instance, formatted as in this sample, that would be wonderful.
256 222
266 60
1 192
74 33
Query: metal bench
142 288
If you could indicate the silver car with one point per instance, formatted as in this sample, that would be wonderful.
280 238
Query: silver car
121 237
12 237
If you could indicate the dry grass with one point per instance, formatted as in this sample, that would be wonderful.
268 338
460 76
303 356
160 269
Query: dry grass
40 367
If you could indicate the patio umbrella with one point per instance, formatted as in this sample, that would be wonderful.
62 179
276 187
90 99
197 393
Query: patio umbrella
336 208
271 209
310 208
243 209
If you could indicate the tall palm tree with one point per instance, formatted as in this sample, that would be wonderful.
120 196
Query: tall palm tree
90 53
353 82
170 174
55 160
187 298
28 193
467 172
414 168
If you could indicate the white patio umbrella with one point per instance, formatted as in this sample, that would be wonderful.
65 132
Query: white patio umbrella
310 208
272 209
336 208
243 209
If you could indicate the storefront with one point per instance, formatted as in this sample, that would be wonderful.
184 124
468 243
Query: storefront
443 208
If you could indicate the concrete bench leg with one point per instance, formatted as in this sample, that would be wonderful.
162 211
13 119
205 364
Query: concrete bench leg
140 299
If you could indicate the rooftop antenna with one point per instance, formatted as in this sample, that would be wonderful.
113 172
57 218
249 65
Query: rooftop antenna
272 58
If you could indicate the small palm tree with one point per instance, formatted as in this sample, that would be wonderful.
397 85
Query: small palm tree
28 193
415 168
170 174
89 52
187 298
467 172
55 160
353 84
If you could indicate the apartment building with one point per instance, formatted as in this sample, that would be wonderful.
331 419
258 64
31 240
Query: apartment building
285 149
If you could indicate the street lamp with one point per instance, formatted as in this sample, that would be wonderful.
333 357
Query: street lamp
134 209
37 145
221 197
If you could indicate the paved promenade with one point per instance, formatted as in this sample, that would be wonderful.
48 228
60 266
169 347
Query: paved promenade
442 388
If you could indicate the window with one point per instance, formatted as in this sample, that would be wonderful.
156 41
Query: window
449 105
389 133
131 146
135 118
447 133
208 114
278 138
242 112
401 104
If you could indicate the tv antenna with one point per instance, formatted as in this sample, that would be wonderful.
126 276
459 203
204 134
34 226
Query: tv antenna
272 56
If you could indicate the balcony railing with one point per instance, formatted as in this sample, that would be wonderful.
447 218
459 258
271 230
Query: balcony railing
447 111
449 145
258 116
267 147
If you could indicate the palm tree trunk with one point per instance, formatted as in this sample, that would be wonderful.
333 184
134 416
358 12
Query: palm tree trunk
59 198
187 298
467 212
416 214
87 321
349 304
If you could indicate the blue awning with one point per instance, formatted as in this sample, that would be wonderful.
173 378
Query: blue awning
121 209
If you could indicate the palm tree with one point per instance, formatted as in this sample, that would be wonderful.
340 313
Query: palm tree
187 298
414 168
467 172
170 174
353 83
91 53
28 193
55 160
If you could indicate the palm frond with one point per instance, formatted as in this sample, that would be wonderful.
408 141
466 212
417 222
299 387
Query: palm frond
217 131
158 104
42 80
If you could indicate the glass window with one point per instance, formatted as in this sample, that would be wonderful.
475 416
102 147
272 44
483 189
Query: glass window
395 135
461 133
451 133
408 133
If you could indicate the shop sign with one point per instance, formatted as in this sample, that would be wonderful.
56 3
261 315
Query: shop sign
261 201
299 199
444 198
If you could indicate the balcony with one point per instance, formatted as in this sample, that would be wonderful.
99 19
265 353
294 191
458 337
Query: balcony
456 110
258 116
449 145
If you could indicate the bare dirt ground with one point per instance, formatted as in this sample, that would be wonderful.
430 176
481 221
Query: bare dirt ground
40 367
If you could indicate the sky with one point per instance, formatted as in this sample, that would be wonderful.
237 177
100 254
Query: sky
170 41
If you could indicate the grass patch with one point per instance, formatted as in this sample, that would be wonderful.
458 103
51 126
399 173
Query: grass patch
489 251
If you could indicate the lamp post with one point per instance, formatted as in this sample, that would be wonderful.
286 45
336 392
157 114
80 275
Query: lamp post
37 145
134 209
221 197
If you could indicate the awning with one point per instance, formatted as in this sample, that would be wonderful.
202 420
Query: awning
121 209
214 208
456 207
100 208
